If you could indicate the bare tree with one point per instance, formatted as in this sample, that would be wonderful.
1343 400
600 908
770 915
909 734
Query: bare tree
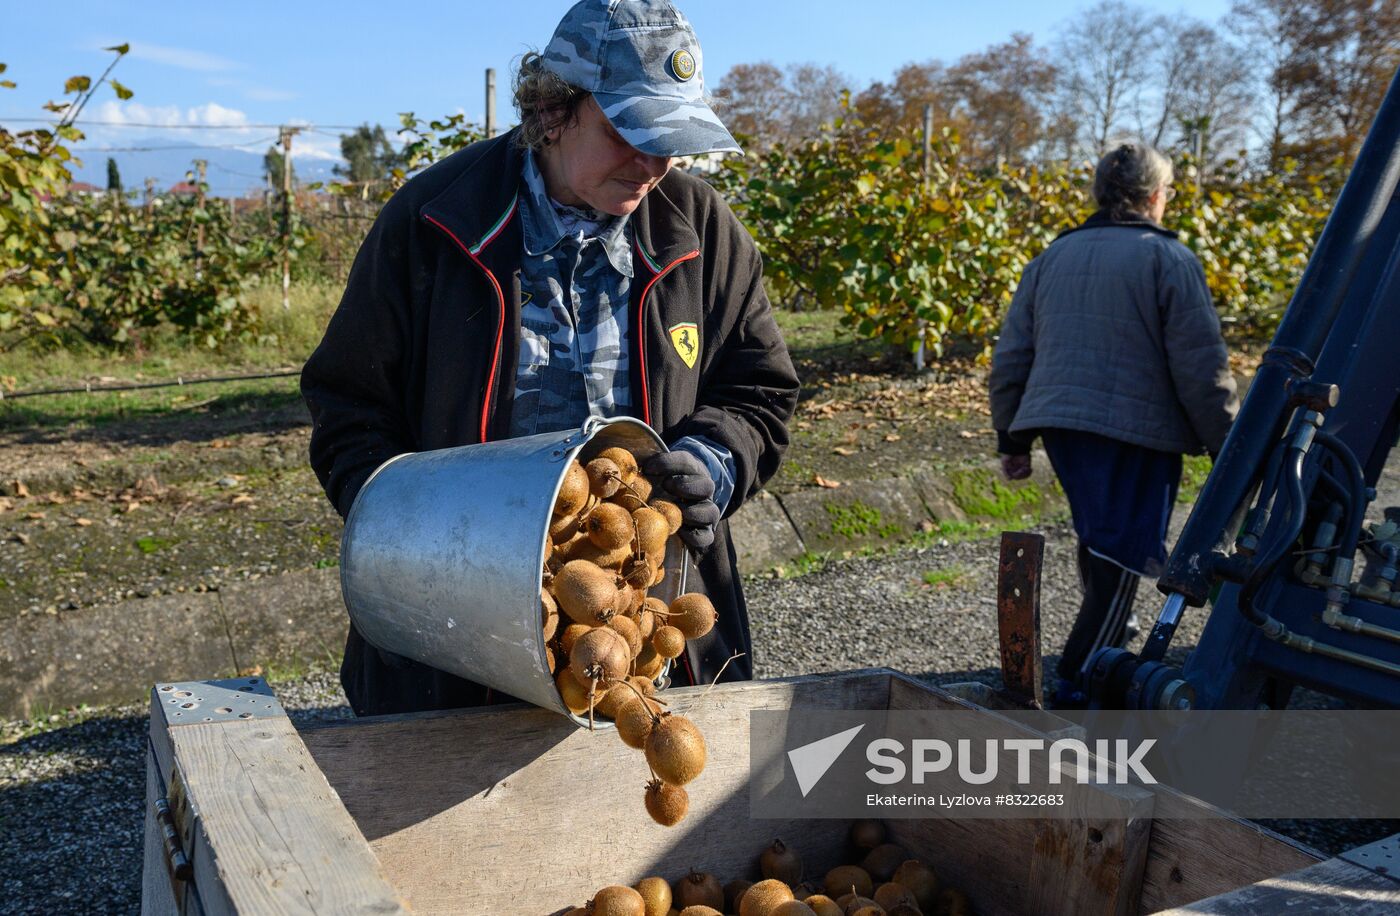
900 103
771 106
1213 108
1001 95
1106 54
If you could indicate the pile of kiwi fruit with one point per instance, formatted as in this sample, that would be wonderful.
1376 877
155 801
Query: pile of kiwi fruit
880 880
606 640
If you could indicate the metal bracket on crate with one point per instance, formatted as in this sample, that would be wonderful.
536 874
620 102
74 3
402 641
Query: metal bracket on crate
197 702
1018 615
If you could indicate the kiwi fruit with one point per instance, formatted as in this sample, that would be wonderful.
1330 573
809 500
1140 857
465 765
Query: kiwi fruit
823 905
883 861
666 804
868 908
625 461
656 894
616 900
613 700
675 749
645 619
633 494
692 614
652 668
670 511
781 862
652 532
867 833
764 897
639 571
549 659
733 893
550 610
573 491
660 574
697 889
668 642
634 721
699 911
921 881
574 694
604 477
628 628
570 635
584 591
600 655
609 526
890 895
793 908
584 549
562 528
841 879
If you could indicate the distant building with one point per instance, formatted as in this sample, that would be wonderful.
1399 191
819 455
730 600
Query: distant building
83 189
183 189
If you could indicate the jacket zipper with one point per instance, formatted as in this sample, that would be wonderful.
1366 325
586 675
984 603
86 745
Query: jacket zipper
641 326
500 305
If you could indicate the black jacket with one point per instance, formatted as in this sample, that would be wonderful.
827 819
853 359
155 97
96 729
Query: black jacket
421 355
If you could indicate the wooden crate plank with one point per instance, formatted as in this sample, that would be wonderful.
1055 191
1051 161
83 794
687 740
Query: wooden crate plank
263 830
157 893
463 808
1197 850
1331 887
269 829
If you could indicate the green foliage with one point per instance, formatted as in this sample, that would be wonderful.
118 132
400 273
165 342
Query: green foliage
980 494
952 577
368 156
1254 234
848 221
96 267
857 520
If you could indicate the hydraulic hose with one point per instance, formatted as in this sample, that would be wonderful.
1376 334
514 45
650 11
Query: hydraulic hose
1356 484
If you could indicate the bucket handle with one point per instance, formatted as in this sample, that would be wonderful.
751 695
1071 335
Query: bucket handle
584 433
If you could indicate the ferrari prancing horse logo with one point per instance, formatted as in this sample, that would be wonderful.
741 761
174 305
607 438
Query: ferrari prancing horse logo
685 338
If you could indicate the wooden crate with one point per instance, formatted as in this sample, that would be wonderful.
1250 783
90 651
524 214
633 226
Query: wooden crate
470 811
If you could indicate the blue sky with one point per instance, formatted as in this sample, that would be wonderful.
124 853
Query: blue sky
257 62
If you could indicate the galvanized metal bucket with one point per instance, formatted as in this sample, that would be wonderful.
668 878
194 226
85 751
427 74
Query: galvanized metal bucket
441 556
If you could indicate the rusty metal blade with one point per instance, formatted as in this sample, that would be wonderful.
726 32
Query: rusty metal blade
1018 614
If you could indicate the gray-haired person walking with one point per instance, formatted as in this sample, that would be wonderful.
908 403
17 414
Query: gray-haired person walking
1111 353
561 271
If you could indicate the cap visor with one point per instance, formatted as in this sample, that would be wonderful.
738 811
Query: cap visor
666 127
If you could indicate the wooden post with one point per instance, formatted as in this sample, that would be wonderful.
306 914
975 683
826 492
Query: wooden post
287 134
490 102
919 361
150 195
201 168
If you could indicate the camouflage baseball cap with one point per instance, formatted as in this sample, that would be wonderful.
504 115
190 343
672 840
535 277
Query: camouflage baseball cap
641 61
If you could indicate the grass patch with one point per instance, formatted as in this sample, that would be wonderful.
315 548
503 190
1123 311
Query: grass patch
978 492
808 562
150 544
858 520
1194 471
952 577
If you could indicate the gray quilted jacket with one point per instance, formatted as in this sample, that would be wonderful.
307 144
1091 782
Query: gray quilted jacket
1112 331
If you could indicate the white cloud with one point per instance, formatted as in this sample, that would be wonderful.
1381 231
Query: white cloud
182 58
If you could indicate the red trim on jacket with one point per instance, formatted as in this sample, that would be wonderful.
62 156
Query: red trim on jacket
641 327
500 311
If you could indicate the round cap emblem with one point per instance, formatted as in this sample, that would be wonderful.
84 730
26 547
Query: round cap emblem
683 65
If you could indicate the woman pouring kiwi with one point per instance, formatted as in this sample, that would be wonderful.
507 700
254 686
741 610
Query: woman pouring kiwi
561 271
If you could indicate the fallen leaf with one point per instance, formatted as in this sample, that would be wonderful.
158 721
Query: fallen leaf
255 671
242 499
6 504
844 452
131 507
892 437
219 443
20 536
967 434
35 516
823 482
56 499
17 488
82 522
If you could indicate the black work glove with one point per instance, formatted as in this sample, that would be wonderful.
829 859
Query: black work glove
686 480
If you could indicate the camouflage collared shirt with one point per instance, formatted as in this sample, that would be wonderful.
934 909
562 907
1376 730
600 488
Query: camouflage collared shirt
575 277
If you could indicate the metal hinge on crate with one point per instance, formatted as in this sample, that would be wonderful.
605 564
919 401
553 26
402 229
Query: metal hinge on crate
172 814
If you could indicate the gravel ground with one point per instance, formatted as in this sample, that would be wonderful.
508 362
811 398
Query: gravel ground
72 790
